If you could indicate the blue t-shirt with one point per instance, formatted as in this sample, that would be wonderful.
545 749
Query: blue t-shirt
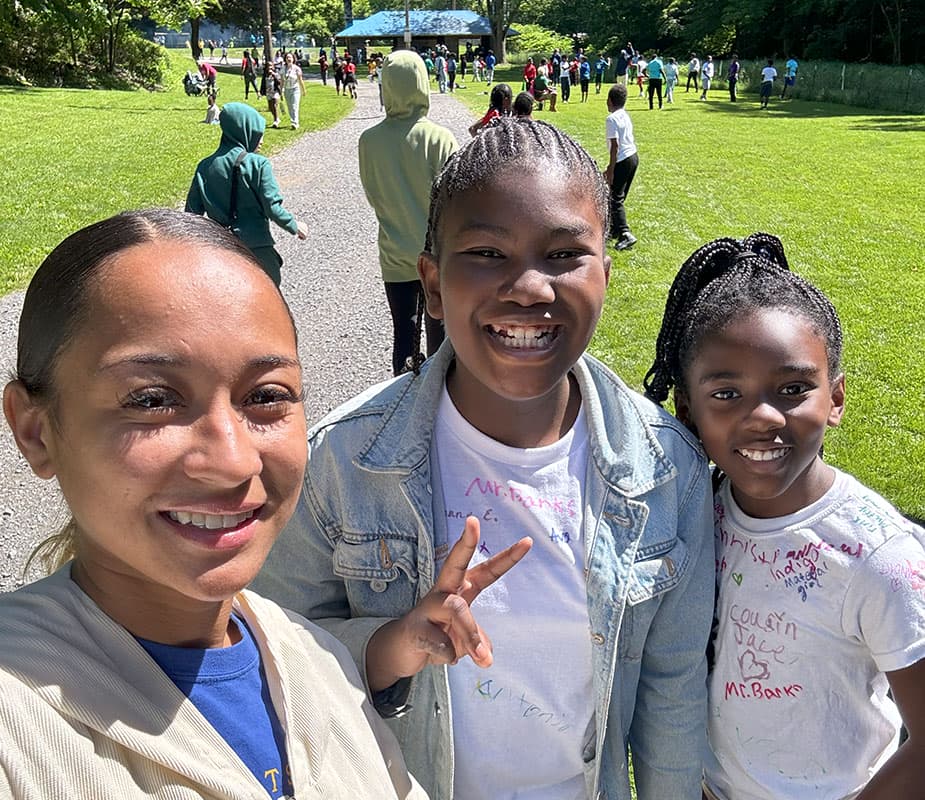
584 70
600 66
656 69
229 687
490 61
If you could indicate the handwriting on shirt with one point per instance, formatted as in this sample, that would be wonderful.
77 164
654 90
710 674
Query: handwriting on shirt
522 495
756 690
905 574
520 705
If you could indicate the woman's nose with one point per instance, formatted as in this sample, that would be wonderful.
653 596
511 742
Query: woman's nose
224 450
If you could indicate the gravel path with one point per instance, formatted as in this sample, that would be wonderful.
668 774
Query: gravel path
331 280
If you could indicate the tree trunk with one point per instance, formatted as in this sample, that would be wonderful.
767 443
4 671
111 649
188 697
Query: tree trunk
267 34
194 37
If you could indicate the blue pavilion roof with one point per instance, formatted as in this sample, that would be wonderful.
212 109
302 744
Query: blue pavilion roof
386 24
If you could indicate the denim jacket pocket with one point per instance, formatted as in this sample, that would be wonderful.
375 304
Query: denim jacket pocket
658 569
379 572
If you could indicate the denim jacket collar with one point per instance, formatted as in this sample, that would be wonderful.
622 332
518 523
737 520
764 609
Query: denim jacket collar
630 464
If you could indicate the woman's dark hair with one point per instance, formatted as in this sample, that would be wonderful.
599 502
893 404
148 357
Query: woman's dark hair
56 301
725 280
523 105
517 145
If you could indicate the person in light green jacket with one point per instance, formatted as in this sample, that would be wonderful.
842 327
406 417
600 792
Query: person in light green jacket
258 197
399 159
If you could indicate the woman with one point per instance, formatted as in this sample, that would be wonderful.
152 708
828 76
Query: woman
235 187
174 426
249 71
293 88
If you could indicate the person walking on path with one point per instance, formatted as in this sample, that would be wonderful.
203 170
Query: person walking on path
323 68
293 87
236 187
249 71
399 159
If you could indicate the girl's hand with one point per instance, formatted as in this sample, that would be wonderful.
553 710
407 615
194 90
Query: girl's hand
302 232
441 629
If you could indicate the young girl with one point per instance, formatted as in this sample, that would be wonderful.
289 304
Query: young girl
820 591
235 187
499 105
600 631
166 400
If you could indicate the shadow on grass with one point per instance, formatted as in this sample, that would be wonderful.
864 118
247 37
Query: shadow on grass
802 109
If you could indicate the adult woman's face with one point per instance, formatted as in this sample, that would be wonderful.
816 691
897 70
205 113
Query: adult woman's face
177 432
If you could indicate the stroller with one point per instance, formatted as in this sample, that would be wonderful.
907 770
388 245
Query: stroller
196 85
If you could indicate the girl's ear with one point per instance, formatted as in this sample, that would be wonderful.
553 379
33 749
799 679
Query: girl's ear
31 428
838 401
429 273
682 410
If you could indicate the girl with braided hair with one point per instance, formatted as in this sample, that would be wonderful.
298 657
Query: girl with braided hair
510 429
820 605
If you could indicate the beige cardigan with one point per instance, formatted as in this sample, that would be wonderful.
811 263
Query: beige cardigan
86 714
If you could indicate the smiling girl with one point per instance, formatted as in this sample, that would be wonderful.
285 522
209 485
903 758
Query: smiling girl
158 381
600 630
821 599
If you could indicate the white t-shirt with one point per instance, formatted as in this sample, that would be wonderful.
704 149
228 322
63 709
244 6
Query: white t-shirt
619 126
706 69
768 74
813 608
519 727
291 76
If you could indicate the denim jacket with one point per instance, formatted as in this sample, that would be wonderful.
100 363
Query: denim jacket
360 551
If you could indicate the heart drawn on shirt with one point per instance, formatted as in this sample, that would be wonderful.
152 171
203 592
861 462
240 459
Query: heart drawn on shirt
737 577
753 669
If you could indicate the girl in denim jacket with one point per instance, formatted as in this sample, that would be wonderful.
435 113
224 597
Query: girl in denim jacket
598 633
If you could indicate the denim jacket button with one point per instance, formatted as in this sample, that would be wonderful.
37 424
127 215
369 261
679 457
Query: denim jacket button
597 638
378 585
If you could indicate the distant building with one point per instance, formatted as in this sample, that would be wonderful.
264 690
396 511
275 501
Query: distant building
455 29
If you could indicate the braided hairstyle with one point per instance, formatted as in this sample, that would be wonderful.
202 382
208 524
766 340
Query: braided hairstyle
505 151
724 280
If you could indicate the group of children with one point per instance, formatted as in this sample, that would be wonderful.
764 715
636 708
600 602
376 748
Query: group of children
567 626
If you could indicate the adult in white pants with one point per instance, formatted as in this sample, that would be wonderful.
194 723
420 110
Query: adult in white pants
293 88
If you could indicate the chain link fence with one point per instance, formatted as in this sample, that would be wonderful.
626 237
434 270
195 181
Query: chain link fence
878 86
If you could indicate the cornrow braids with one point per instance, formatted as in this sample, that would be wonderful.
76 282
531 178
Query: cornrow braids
508 145
724 280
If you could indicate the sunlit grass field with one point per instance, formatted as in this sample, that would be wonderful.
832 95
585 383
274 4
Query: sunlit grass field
841 186
70 157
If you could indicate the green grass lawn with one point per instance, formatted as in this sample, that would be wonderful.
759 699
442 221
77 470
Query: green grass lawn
841 186
74 156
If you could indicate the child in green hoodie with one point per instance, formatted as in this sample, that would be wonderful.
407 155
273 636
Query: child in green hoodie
399 159
257 196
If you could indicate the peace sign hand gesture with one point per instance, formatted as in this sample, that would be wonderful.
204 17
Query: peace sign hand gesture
441 629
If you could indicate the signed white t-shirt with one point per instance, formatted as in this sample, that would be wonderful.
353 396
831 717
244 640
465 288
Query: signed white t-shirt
813 608
520 726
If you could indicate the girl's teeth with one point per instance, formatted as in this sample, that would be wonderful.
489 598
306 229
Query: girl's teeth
525 337
764 455
209 521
